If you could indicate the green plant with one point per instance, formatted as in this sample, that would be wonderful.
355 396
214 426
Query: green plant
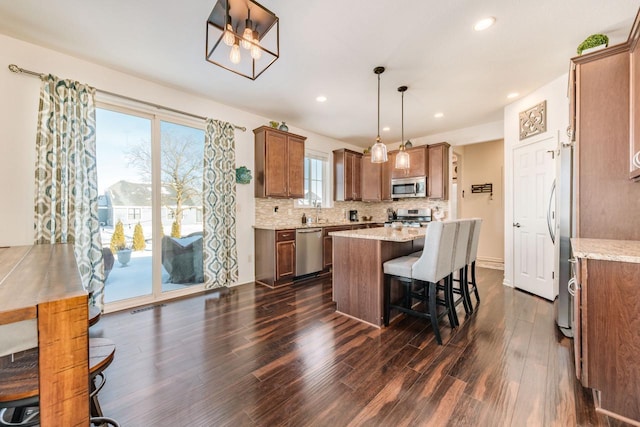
138 238
118 241
175 230
592 41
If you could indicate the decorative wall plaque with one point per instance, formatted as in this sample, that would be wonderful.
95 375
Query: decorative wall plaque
533 121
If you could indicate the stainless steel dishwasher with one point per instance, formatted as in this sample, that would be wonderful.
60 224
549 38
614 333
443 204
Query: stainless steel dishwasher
308 250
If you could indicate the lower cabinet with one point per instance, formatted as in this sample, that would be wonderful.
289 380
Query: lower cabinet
606 338
327 244
275 252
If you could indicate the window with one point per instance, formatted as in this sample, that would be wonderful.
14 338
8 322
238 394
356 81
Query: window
316 184
134 214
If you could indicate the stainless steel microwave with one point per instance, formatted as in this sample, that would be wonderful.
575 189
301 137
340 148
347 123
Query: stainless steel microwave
409 187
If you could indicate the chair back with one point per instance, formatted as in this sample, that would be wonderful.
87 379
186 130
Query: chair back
474 240
435 262
463 240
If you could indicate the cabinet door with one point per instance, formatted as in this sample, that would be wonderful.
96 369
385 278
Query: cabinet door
327 251
357 178
371 179
577 320
418 161
348 175
296 167
385 178
634 150
276 176
438 177
285 259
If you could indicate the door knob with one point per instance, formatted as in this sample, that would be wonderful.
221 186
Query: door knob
516 224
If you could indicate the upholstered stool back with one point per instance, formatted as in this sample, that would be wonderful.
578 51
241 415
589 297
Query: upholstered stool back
474 240
435 262
461 250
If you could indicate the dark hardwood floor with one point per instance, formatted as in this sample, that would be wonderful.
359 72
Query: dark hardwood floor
258 356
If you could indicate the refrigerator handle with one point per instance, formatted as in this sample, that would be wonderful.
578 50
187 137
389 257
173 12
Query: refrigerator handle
551 231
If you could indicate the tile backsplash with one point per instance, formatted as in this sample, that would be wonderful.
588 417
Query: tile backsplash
286 214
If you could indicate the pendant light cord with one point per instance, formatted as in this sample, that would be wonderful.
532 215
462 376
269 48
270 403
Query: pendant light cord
378 139
402 141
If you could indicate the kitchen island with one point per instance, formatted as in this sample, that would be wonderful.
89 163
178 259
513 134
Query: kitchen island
358 277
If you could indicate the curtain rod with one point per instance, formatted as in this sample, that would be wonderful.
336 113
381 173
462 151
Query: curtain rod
15 69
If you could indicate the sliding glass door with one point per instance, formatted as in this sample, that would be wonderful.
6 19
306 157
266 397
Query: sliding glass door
150 205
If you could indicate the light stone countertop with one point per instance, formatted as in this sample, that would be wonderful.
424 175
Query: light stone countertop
607 250
314 225
404 234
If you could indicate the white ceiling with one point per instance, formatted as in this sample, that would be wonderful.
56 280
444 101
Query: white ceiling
330 47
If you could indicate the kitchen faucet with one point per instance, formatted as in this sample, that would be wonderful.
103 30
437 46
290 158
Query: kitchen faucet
317 205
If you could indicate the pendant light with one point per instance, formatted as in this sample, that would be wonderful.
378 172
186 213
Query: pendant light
402 158
379 150
247 35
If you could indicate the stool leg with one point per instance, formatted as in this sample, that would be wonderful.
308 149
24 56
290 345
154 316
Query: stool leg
94 405
464 291
473 280
387 299
450 301
433 312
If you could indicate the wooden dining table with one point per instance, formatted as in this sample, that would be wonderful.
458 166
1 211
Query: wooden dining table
42 282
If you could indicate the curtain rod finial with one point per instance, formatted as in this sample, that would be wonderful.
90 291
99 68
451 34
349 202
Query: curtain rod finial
14 68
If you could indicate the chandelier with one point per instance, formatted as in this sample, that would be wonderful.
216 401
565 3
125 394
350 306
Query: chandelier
243 37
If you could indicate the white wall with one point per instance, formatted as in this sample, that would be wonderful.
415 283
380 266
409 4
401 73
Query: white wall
555 93
18 120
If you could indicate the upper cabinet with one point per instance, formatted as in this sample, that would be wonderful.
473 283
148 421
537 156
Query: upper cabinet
347 174
279 163
418 163
438 176
376 180
601 101
634 141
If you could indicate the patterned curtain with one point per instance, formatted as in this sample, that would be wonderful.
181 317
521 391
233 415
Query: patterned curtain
66 199
219 204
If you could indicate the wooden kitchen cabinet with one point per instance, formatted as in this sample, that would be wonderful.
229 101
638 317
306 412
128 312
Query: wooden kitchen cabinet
347 175
606 339
438 176
418 163
279 163
606 199
327 244
275 252
376 180
634 141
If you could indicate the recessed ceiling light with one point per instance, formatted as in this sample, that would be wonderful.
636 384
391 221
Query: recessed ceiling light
321 98
513 95
386 129
438 115
485 23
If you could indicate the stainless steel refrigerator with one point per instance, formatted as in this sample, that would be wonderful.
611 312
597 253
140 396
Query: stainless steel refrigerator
565 217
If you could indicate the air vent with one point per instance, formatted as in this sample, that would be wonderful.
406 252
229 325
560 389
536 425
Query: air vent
147 308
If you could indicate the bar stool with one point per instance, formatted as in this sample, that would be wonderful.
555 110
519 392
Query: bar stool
19 382
420 276
19 389
460 255
471 259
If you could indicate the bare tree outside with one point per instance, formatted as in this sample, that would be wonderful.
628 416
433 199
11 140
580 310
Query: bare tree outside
180 165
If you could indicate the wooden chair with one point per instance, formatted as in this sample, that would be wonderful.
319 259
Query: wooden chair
420 277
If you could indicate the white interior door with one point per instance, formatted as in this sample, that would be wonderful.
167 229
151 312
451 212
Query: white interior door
534 173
